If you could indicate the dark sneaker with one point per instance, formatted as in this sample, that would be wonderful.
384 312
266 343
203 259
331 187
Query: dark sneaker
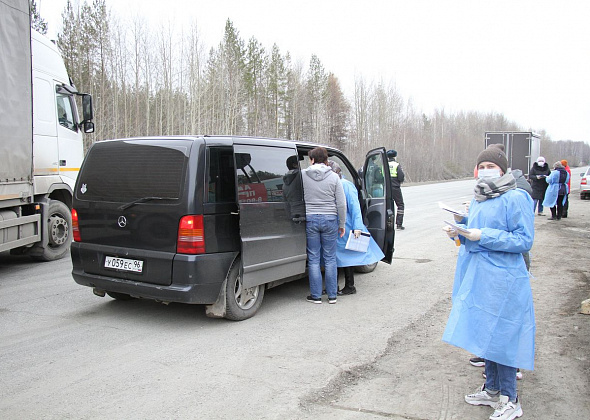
347 290
332 300
314 300
477 362
400 227
482 397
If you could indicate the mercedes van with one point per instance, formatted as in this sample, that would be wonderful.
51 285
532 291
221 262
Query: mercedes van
213 220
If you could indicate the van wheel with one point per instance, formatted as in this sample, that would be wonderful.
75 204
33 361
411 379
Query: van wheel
119 296
241 303
369 268
58 231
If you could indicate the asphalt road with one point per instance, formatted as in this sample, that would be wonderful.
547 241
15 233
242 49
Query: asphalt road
67 354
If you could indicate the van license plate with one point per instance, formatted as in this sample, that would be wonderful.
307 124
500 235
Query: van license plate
123 264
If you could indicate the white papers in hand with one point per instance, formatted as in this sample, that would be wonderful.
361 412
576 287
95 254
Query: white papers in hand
457 228
360 244
450 210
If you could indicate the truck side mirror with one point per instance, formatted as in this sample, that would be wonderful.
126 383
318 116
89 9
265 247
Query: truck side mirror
88 127
87 113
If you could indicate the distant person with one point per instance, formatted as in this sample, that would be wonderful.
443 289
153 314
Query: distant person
569 188
346 258
397 178
556 190
325 213
293 190
537 174
492 314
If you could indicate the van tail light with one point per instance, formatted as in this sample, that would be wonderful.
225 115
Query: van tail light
191 238
76 226
584 181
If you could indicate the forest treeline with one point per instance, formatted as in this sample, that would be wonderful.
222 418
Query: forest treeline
166 81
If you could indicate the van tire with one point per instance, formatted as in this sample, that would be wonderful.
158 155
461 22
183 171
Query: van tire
241 304
369 268
120 296
58 229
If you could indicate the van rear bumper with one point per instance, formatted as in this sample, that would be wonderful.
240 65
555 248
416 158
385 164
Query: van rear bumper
197 279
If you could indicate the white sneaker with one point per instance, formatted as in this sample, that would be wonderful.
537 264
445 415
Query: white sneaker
506 409
518 374
482 397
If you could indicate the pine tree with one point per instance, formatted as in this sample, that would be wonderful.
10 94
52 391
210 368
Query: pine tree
37 22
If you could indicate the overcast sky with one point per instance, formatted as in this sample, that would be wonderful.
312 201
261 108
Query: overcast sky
526 59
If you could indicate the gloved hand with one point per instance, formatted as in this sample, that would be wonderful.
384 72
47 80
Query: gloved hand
356 233
451 233
458 218
473 235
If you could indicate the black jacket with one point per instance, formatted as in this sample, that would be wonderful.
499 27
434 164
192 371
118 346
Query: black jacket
539 185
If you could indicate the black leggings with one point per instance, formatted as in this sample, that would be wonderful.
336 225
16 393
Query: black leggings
557 211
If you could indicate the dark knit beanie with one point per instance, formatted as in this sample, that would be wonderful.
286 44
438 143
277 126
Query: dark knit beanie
495 154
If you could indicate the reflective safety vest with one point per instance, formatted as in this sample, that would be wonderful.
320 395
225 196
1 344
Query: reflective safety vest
393 168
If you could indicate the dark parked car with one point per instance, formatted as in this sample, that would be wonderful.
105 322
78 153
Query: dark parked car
208 220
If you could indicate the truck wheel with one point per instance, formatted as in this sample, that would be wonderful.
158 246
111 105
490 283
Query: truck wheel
241 303
57 229
119 296
369 268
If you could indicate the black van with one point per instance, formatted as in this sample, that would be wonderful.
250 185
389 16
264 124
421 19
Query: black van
211 220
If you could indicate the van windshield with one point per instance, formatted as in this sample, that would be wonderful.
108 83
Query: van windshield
126 171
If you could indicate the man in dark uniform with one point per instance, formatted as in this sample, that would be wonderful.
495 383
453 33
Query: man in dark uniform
397 177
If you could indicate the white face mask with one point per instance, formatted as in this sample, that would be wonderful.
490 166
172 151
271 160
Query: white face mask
488 173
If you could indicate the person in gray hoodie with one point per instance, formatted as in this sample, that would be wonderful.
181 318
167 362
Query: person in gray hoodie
325 213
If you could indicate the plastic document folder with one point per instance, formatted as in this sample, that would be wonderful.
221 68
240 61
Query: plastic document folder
360 244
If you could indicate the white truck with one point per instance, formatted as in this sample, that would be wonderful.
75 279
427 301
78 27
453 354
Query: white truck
41 146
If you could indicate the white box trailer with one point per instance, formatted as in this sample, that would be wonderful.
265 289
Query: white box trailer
41 147
522 147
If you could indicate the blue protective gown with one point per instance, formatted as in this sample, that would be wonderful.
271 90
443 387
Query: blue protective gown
492 314
552 190
354 220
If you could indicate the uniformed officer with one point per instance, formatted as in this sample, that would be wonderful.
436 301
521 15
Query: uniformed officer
397 177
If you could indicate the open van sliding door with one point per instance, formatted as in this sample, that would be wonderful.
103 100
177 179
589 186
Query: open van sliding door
272 211
379 203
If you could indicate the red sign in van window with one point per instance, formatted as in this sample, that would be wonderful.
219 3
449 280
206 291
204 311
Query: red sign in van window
252 193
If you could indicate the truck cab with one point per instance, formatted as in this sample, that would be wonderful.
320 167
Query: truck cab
41 146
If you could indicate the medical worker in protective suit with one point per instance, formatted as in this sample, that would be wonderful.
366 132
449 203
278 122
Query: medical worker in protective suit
345 258
492 314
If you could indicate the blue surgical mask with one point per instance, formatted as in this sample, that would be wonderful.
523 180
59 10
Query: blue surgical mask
488 173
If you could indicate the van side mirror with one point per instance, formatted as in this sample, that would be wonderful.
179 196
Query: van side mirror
88 127
87 113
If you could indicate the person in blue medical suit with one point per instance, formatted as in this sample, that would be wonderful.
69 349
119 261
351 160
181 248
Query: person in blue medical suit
345 258
492 314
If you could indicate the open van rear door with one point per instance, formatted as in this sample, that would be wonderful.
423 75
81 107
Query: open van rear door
380 215
272 213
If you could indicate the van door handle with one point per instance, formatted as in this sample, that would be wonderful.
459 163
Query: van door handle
235 213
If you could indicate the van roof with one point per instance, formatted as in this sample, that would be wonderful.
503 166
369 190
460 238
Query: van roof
234 139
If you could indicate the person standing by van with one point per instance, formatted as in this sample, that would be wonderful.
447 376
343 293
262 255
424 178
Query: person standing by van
325 213
397 178
345 258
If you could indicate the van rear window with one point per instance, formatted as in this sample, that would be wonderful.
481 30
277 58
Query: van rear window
128 170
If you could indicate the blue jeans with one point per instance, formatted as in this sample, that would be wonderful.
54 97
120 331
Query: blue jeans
322 236
538 203
501 378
